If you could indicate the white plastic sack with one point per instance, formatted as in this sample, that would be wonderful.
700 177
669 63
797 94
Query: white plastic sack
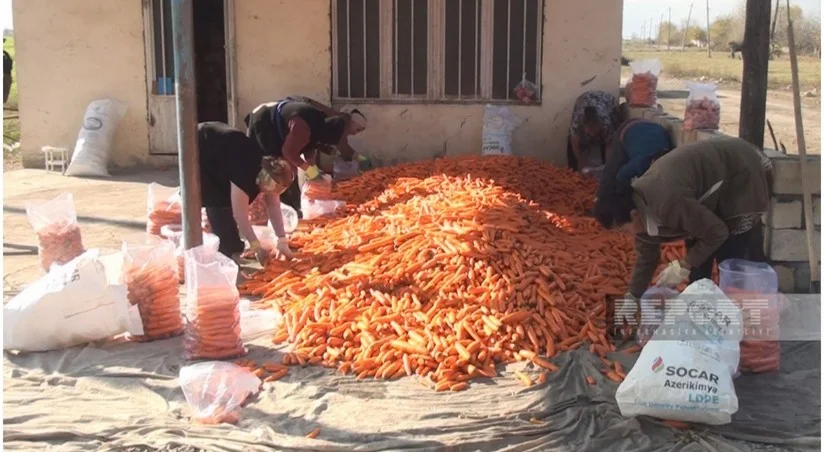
685 372
256 323
499 122
342 170
216 390
316 208
94 142
73 304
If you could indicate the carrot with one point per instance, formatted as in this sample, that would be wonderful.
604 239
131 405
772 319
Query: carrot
590 381
542 377
314 433
444 269
679 425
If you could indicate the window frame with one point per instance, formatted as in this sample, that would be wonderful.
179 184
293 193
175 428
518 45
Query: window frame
436 69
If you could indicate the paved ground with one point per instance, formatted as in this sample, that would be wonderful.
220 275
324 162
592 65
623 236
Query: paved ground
107 210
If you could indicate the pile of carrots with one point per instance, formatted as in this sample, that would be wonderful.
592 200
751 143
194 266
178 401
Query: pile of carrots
59 243
213 324
445 268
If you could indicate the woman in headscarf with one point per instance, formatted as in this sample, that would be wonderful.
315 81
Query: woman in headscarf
233 171
594 120
711 193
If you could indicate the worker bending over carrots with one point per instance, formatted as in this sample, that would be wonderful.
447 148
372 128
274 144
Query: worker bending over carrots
594 120
296 128
711 193
233 172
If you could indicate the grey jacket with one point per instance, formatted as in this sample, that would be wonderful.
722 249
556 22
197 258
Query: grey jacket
693 192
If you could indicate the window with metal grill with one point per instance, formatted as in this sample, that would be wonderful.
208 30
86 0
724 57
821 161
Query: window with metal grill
434 50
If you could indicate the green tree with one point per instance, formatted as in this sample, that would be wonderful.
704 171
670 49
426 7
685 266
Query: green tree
722 32
668 30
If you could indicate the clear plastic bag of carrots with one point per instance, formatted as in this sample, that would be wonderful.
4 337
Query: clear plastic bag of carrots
58 234
703 110
150 275
644 85
760 346
215 391
212 314
162 207
258 215
174 234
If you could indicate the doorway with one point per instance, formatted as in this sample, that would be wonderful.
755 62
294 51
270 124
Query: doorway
212 73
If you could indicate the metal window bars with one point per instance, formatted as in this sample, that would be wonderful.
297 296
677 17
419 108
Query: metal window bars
387 35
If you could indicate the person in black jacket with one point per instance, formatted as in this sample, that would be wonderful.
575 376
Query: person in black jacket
296 129
8 63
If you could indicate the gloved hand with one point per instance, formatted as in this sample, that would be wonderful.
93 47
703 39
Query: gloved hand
673 275
313 173
364 163
283 248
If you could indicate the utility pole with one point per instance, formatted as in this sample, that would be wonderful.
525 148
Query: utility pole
775 20
660 34
186 100
669 29
644 31
651 27
686 29
709 41
756 54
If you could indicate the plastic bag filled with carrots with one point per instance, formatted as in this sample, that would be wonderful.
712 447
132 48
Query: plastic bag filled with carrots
174 234
644 82
215 391
58 234
162 207
212 314
703 111
150 274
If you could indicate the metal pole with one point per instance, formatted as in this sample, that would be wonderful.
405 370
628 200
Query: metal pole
806 189
186 102
709 42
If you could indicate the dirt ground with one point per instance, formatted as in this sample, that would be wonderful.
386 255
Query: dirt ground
672 96
108 210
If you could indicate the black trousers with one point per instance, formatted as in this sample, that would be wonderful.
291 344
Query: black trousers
224 227
572 161
749 246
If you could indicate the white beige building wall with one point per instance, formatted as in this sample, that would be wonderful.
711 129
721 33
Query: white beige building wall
69 53
582 41
282 48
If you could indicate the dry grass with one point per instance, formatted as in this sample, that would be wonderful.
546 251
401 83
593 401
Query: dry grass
694 63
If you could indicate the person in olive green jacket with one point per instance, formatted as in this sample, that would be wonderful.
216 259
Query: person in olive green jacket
711 193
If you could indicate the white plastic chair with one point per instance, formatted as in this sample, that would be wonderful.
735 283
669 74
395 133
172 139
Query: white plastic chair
56 157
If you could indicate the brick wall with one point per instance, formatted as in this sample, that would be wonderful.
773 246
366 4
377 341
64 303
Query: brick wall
785 239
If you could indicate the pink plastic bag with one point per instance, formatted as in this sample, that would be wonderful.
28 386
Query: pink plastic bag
215 391
526 91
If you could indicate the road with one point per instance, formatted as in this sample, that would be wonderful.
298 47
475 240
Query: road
672 96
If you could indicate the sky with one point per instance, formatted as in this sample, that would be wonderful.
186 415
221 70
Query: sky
638 11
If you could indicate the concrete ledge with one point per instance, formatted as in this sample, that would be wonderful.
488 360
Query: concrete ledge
793 277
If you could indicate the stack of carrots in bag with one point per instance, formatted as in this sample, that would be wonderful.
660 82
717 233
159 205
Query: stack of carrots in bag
443 269
150 275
